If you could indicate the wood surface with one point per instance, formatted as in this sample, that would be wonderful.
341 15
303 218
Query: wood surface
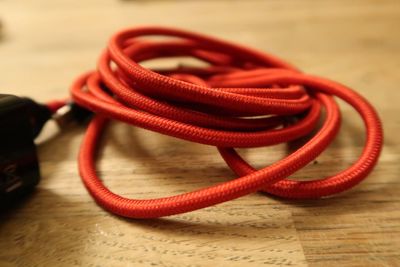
45 44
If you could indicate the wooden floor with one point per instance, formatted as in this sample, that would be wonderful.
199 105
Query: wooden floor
45 44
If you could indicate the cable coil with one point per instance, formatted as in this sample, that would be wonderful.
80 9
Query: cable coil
242 98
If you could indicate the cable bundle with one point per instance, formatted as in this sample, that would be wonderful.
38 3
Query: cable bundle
241 98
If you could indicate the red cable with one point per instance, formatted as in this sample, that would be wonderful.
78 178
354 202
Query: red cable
241 98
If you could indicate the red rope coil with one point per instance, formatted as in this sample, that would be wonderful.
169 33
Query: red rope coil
242 98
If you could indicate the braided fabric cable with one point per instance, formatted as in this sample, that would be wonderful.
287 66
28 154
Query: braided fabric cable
240 98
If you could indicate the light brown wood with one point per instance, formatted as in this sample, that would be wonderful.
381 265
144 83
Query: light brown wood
45 44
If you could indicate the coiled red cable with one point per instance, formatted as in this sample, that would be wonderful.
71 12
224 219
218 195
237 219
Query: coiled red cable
241 98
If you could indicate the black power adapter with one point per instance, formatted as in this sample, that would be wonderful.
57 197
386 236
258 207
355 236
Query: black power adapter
21 120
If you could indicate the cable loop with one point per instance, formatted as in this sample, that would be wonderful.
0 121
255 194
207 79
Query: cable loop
240 98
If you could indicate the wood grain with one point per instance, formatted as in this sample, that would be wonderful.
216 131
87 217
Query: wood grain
45 44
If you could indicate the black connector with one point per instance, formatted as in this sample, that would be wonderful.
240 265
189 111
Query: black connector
21 120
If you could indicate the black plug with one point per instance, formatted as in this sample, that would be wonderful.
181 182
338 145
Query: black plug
21 120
